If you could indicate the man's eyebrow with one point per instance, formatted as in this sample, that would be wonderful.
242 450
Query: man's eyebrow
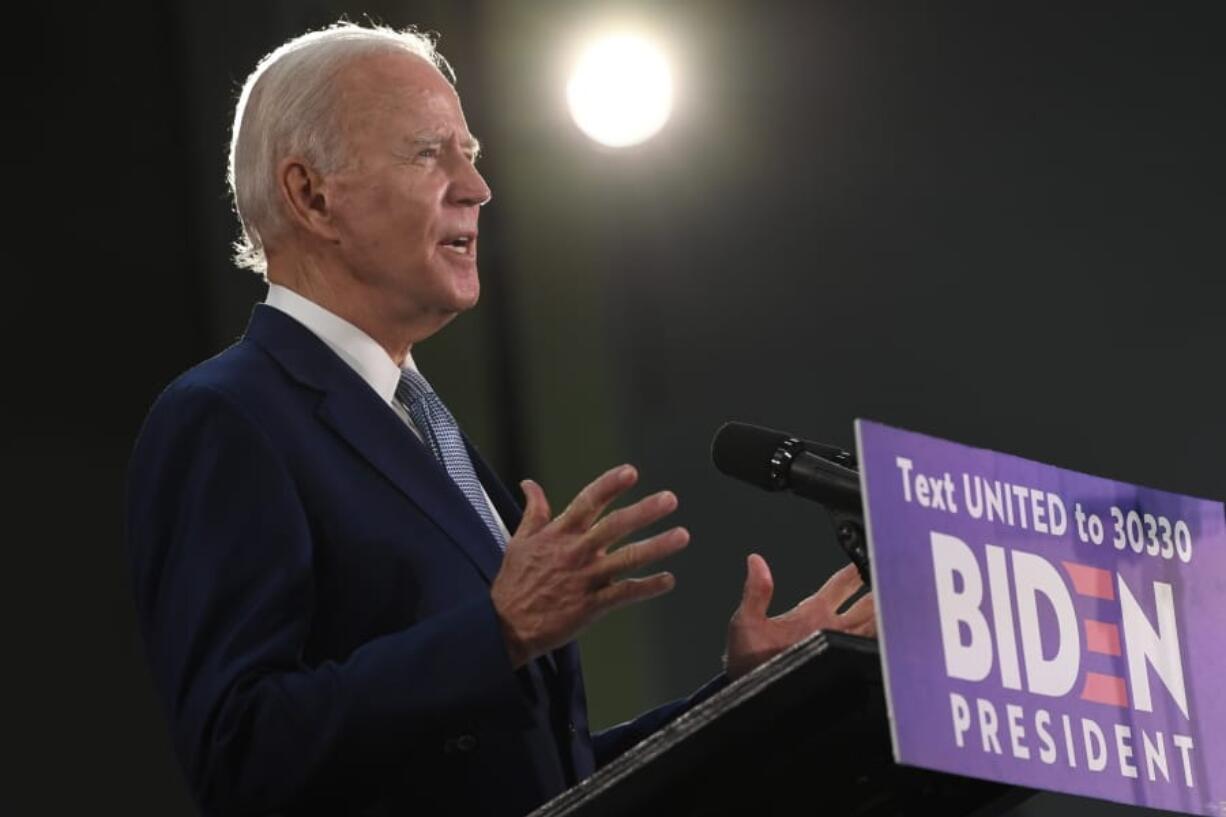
425 139
470 145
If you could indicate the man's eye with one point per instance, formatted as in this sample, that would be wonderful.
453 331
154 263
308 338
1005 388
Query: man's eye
427 153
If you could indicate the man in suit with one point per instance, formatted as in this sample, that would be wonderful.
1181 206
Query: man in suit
343 608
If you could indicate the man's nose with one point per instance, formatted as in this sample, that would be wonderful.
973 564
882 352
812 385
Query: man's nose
468 188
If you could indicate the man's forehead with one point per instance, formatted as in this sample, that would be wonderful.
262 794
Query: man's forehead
406 87
398 81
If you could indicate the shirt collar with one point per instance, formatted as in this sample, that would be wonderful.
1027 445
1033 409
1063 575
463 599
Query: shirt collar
359 350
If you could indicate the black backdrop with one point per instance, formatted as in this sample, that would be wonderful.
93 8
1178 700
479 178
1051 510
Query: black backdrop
998 223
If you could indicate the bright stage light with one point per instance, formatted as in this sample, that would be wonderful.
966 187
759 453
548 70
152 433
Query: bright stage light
620 91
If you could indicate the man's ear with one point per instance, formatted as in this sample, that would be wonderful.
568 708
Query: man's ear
305 194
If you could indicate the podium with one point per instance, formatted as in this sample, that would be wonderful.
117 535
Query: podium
804 734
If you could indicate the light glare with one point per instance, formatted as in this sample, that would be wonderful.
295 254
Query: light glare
621 91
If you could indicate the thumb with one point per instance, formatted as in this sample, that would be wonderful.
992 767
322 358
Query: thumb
759 587
536 509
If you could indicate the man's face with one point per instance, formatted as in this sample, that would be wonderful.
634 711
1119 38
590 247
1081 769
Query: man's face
405 204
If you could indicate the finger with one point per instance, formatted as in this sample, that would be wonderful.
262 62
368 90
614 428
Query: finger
631 591
868 629
536 509
640 554
863 610
590 503
624 521
759 587
841 585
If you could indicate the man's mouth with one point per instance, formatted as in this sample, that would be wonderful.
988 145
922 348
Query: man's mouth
462 244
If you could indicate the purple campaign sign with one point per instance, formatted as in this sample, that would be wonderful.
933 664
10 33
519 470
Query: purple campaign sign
1048 628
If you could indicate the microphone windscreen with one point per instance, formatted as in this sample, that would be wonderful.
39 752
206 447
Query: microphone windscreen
744 452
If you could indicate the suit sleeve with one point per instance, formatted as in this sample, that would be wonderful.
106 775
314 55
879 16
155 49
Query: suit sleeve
613 741
222 567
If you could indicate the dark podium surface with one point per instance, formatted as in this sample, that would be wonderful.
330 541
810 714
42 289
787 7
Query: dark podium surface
806 733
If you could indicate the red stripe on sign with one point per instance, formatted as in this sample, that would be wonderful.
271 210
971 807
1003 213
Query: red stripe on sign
1091 581
1102 637
1105 689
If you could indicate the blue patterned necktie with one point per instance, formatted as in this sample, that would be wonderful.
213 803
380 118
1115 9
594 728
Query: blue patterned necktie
441 434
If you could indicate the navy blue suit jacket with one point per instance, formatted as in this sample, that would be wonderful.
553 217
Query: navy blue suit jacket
313 594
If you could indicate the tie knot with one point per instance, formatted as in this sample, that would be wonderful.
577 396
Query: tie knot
412 386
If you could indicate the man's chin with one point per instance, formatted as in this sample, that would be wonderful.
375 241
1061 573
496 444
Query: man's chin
460 302
466 298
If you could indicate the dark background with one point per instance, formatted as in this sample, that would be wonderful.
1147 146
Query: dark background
999 223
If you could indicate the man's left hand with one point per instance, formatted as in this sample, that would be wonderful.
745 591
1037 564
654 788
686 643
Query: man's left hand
753 638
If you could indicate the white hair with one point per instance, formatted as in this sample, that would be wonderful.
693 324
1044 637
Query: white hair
288 106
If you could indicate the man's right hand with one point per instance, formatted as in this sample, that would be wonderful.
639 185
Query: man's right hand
558 574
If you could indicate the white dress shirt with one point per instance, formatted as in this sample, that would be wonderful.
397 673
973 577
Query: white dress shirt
360 351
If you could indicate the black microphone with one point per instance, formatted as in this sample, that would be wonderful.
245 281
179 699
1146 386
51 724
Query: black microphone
776 461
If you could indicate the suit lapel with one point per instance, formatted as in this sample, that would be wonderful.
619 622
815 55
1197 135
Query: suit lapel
352 410
376 433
